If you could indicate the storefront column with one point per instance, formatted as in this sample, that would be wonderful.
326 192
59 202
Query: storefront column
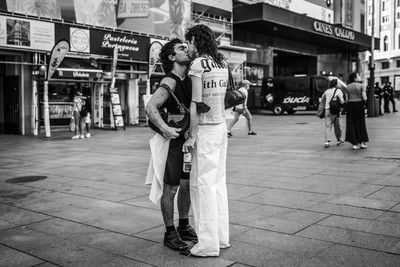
133 102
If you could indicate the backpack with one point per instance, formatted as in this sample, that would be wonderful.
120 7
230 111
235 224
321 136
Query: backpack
334 105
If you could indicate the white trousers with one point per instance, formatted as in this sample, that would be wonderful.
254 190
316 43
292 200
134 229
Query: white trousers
208 191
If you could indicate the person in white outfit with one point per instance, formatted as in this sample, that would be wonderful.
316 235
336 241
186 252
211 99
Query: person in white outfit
242 110
208 142
333 120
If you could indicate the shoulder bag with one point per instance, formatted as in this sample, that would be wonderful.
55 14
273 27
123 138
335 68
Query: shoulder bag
321 108
233 97
334 105
181 120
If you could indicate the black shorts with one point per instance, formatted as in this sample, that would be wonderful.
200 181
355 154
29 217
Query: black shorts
174 167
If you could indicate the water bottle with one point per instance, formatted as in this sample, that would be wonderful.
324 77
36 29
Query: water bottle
187 161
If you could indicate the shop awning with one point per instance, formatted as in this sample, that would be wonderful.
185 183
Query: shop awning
77 68
272 21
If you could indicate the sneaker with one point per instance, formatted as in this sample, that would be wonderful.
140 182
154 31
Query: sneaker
230 135
88 135
355 147
174 242
252 133
395 111
341 141
82 136
75 137
187 234
327 145
363 146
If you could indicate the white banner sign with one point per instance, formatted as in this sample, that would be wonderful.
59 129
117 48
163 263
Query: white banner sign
26 34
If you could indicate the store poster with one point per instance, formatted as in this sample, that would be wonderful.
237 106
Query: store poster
26 34
39 8
79 40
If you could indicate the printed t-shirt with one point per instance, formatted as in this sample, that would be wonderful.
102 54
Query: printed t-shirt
214 81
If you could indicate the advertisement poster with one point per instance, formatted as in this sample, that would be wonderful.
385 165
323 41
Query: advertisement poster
39 8
159 17
96 12
27 34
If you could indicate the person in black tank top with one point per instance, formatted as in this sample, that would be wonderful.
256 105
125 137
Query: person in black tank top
175 59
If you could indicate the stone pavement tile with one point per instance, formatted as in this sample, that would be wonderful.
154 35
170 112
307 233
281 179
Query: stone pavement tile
352 256
66 253
113 242
350 237
20 216
159 255
388 193
340 188
299 185
10 258
240 206
73 213
25 239
46 264
64 229
344 210
6 225
142 201
390 217
302 246
396 208
241 191
349 176
288 214
268 223
126 221
254 255
368 226
316 262
386 180
362 202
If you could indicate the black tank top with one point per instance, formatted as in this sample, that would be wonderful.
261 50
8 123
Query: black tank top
183 91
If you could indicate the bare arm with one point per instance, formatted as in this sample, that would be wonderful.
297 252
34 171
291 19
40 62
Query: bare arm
194 115
364 93
157 100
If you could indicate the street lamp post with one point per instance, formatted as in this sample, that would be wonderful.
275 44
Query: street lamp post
371 93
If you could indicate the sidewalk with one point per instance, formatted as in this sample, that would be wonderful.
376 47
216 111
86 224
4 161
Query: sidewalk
292 202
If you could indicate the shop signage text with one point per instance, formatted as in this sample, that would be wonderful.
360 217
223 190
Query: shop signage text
129 46
332 30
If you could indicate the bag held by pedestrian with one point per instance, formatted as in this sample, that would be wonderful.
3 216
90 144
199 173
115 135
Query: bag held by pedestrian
233 97
72 124
334 105
181 120
321 108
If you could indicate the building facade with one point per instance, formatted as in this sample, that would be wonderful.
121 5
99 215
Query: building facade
302 37
386 15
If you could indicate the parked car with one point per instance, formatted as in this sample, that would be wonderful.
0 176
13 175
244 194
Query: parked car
292 94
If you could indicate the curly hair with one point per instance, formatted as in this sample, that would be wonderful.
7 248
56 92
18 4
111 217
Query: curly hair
204 40
166 51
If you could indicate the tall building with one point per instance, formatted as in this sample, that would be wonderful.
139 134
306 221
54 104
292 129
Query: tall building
386 14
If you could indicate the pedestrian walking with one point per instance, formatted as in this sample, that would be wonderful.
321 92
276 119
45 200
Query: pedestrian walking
332 118
208 142
242 110
391 98
175 59
356 130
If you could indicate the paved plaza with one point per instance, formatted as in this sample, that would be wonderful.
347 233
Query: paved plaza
292 202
